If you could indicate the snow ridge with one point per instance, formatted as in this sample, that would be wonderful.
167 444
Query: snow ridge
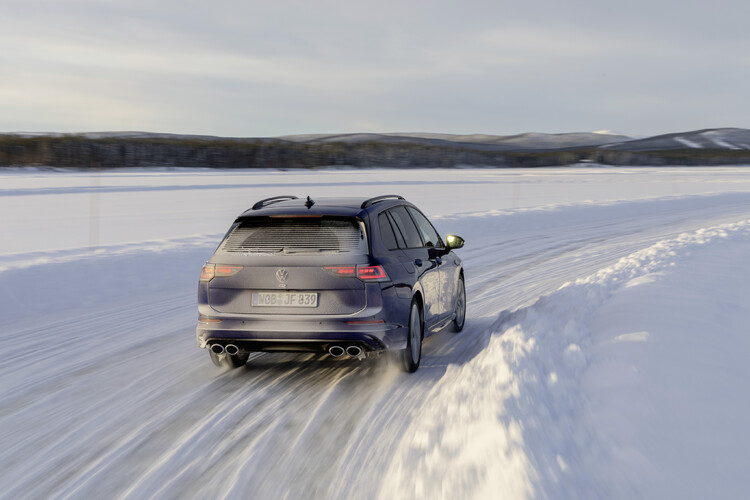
511 419
31 259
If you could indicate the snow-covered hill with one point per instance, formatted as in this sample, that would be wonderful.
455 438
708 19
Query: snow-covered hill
604 354
528 141
717 138
721 138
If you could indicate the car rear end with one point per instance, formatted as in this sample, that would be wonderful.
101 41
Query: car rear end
295 281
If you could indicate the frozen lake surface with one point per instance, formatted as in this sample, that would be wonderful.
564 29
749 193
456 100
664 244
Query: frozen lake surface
604 354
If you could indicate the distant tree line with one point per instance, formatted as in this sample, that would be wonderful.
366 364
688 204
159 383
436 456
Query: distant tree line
108 153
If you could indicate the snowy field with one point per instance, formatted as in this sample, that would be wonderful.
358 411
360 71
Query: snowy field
605 352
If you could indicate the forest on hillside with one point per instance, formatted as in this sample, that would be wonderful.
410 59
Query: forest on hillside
80 152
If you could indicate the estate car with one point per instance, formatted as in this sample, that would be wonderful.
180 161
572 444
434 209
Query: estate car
343 276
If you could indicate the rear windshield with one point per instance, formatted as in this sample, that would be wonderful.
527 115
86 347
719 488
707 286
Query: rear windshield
294 235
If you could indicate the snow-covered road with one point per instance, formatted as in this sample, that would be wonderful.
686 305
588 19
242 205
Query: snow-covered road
582 285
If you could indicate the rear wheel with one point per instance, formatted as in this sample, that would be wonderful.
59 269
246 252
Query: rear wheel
460 319
412 355
229 360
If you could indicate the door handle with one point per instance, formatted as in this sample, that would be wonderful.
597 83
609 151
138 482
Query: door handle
418 262
439 261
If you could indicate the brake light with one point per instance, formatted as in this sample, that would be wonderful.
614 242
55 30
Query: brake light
207 272
341 270
371 273
364 273
227 270
296 216
211 271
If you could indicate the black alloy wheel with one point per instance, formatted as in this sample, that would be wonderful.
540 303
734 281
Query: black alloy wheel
412 355
460 319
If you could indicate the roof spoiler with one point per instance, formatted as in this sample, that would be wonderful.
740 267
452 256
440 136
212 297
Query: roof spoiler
274 199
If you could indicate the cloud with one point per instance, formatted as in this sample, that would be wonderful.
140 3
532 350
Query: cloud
273 68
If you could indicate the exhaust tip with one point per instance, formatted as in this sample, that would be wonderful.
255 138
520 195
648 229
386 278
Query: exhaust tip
217 348
354 351
231 349
336 351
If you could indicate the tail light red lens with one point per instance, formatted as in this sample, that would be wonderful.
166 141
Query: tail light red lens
211 271
227 270
371 273
364 273
207 272
341 270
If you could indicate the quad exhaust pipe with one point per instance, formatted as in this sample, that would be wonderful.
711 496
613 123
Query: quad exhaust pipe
336 351
230 349
354 351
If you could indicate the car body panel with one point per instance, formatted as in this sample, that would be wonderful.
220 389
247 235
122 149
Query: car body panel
337 296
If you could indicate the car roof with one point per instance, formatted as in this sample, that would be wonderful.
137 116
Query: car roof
349 206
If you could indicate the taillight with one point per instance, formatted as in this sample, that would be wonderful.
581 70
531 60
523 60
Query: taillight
211 271
364 273
371 273
207 272
341 270
227 270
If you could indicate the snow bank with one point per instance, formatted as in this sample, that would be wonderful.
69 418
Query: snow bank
31 259
628 383
602 388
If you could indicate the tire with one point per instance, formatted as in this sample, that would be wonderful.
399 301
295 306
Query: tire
412 355
229 360
460 309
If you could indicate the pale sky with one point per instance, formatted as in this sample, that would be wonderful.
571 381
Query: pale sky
246 68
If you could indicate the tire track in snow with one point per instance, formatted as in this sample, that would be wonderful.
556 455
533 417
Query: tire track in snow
148 413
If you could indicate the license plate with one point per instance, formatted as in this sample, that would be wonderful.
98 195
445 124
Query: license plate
285 299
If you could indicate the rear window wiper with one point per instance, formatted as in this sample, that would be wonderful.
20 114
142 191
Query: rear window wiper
309 250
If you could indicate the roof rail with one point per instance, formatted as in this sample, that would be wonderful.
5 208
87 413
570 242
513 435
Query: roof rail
372 201
273 199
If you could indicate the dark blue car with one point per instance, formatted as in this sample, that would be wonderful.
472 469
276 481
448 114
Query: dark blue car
343 276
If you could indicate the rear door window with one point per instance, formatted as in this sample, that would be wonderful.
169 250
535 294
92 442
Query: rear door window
428 233
397 232
386 232
406 226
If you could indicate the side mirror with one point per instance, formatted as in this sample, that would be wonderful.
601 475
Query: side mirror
454 242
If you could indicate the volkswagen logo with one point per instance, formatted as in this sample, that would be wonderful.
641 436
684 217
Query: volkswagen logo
282 275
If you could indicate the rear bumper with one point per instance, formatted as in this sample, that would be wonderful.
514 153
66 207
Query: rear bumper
381 325
301 336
